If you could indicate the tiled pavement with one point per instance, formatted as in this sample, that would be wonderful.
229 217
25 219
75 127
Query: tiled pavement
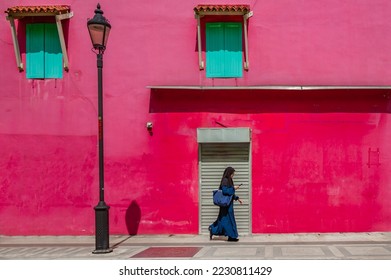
271 247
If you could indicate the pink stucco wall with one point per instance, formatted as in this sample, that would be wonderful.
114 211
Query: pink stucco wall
309 149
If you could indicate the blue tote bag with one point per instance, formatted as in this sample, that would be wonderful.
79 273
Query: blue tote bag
220 199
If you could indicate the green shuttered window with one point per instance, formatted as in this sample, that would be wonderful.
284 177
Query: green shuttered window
224 57
43 51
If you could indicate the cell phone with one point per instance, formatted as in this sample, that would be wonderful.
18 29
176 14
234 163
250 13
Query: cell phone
240 184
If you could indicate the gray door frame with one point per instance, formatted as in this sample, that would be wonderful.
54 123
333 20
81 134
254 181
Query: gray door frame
224 136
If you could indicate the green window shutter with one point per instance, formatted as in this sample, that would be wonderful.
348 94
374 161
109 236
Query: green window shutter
35 34
224 54
233 50
53 52
215 50
43 51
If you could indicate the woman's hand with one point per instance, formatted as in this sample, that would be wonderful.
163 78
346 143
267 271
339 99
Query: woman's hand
240 201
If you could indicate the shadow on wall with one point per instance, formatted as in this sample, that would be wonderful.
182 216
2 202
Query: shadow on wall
132 218
270 101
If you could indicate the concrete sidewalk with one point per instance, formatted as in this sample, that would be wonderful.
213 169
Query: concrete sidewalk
259 246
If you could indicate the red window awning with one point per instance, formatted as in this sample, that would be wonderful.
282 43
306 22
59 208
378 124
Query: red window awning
222 9
60 12
38 10
217 10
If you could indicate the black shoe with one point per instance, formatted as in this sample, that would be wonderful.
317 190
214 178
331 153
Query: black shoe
233 239
210 233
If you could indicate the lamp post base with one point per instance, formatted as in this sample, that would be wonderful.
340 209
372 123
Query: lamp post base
102 229
102 251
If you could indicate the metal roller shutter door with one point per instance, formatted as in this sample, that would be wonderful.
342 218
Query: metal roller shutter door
214 158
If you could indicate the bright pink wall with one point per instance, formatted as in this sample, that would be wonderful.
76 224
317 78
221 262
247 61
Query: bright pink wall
309 150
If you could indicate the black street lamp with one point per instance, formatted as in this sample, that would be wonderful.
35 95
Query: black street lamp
99 29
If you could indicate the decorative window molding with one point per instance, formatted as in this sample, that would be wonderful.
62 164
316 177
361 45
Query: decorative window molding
218 10
60 12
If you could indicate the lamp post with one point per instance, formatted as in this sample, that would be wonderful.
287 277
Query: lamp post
99 29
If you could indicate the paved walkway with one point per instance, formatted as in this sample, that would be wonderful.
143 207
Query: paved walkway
263 246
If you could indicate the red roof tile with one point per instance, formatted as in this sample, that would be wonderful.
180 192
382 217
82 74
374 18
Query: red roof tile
55 9
222 8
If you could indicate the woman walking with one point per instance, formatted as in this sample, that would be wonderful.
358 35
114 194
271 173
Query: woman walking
225 223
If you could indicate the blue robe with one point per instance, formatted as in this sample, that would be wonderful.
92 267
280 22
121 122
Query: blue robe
225 223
